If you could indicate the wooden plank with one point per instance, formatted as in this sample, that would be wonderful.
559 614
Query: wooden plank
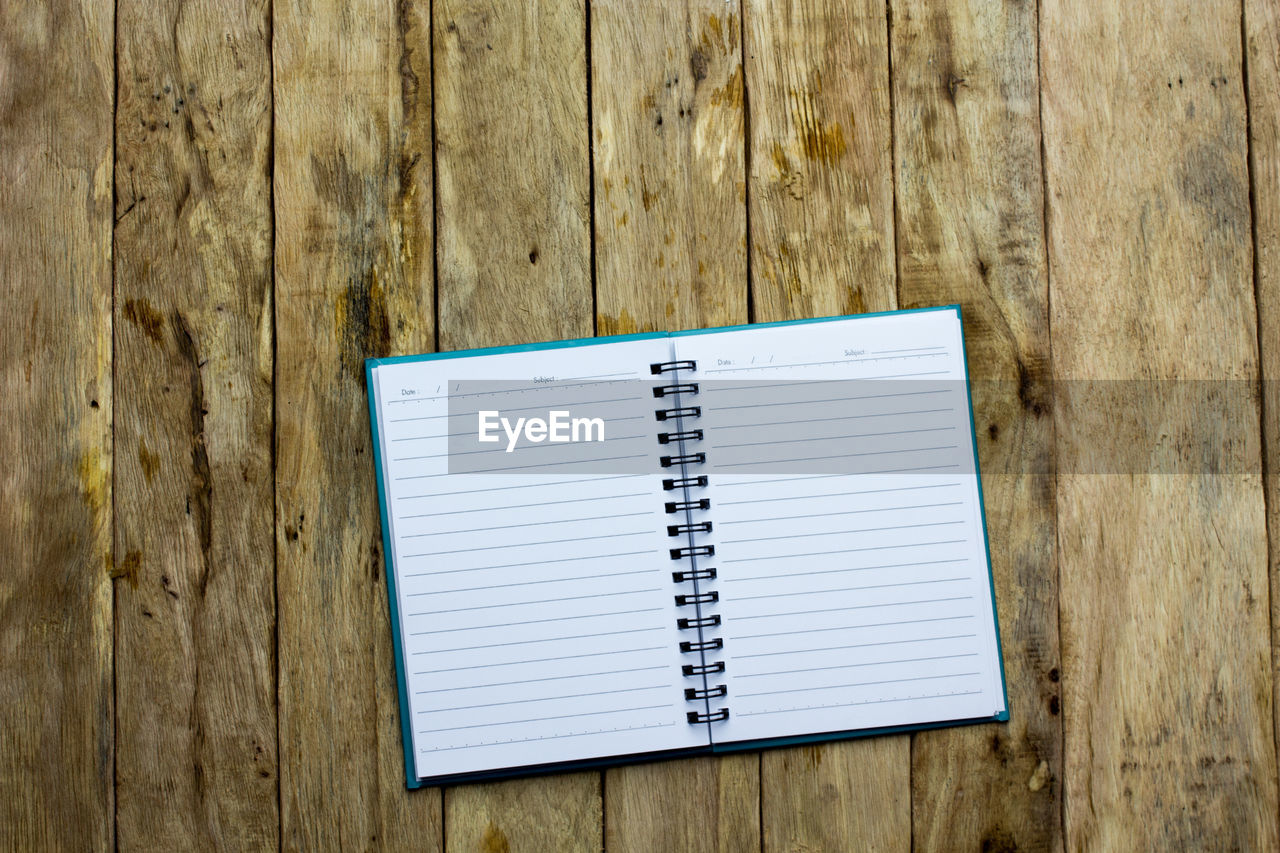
821 182
1165 662
820 195
353 279
513 255
1262 45
514 250
194 543
971 230
670 188
670 214
55 378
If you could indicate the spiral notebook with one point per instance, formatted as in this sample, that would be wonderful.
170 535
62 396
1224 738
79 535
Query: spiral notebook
647 546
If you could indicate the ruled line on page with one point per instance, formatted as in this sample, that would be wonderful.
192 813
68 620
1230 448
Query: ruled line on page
834 514
531 544
806 439
830 456
908 349
540 680
731 484
594 499
773 576
529 563
540 719
737 385
851 607
537 621
723 427
429 750
576 404
544 699
849 589
842 532
855 665
811 689
856 646
501 449
799 631
567 383
528 524
865 702
514 584
542 485
846 551
556 600
531 642
502 470
819 363
470 667
720 408
772 499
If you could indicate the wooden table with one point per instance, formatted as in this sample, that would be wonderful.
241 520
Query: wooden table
211 213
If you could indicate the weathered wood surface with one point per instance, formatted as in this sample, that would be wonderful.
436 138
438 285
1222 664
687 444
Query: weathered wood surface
971 230
1262 63
196 650
1166 659
670 248
353 211
194 535
56 709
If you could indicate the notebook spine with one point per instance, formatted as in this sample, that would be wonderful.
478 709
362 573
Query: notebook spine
680 434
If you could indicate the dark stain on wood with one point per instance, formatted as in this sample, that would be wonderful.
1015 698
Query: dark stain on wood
360 323
127 569
1031 394
149 461
141 313
494 840
1217 191
200 503
335 181
698 64
999 840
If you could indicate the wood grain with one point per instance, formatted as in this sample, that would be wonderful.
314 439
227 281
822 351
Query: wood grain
194 540
514 258
55 379
514 241
1262 58
670 187
1166 666
820 195
971 230
670 214
353 279
821 182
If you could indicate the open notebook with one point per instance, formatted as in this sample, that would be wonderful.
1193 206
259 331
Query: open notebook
619 549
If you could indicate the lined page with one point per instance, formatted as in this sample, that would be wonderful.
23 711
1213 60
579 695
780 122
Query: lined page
534 587
852 570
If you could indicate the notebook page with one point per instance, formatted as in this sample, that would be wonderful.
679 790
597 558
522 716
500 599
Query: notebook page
533 586
852 570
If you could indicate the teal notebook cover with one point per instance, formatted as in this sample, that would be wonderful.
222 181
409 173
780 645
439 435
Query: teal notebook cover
412 780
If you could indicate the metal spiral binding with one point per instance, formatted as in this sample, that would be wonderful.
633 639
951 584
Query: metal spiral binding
699 598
